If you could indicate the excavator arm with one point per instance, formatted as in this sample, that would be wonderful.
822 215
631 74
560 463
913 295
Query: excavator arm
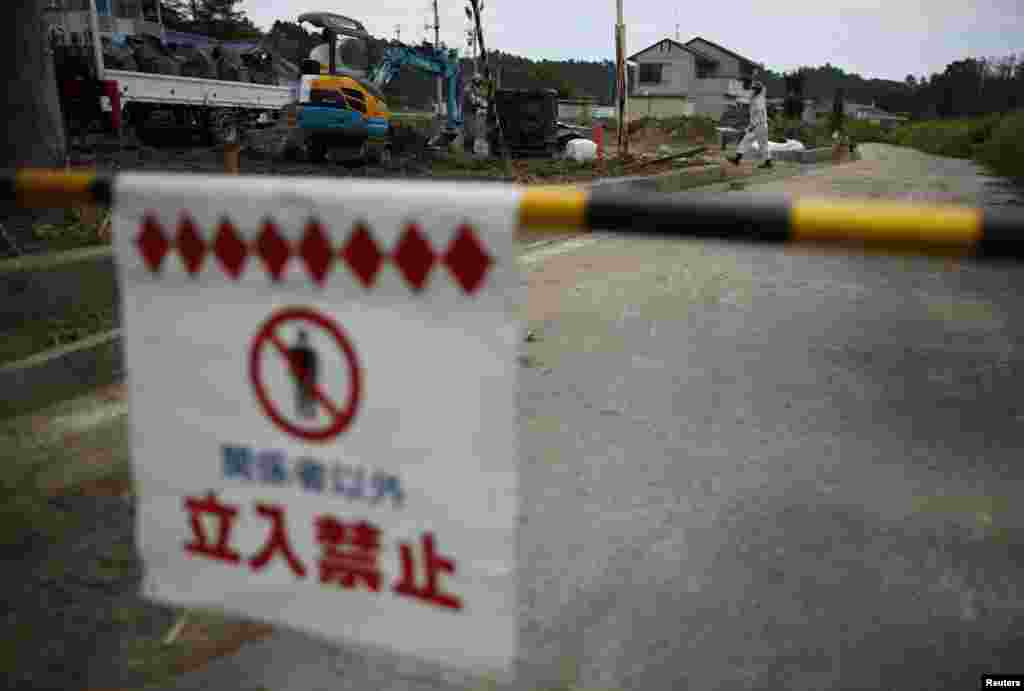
429 60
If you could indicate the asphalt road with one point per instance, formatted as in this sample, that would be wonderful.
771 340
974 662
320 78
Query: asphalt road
751 469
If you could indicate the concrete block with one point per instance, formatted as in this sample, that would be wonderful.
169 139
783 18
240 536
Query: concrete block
819 155
672 181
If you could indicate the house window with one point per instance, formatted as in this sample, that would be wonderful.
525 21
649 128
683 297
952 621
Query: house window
705 69
650 72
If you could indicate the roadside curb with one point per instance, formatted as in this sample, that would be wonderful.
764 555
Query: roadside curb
60 373
819 155
672 181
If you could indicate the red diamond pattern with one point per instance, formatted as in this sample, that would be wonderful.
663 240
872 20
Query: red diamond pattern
316 251
273 249
152 244
466 259
230 249
362 255
190 245
414 257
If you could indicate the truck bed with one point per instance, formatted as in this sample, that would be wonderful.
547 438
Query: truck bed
171 89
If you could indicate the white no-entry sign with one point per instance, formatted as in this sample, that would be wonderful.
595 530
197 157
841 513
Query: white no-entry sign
322 401
298 366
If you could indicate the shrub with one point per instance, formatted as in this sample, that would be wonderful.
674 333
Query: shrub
690 128
811 136
1004 150
74 232
940 137
863 131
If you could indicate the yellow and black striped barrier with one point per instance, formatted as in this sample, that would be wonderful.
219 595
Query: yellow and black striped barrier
865 225
862 225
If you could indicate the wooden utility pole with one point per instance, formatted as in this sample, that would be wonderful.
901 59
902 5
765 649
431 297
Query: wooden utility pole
620 69
97 45
437 46
489 77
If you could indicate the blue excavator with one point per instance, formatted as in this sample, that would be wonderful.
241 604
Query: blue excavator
339 107
440 62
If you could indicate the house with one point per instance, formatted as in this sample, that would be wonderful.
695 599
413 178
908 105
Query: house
857 111
878 116
693 78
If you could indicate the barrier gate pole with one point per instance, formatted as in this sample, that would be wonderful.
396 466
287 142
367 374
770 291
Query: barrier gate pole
869 225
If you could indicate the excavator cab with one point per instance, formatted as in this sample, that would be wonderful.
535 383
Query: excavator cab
337 109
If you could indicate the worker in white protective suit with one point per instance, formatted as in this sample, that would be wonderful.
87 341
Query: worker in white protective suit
757 132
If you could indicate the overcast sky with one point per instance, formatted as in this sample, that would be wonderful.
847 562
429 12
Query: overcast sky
888 39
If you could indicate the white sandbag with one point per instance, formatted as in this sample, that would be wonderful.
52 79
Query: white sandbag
581 150
788 145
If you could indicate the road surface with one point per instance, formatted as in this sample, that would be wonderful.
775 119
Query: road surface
745 468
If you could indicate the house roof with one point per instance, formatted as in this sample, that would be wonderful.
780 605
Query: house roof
721 48
677 44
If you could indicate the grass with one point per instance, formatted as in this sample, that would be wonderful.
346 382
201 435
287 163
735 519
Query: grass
206 635
36 336
682 128
41 461
44 458
77 230
1003 151
24 512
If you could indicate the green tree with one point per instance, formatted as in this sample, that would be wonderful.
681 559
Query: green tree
838 116
221 19
547 75
175 14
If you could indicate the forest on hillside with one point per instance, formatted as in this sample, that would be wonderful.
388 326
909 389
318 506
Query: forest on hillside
966 88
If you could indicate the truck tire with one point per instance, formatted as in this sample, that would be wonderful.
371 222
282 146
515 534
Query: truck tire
317 150
221 128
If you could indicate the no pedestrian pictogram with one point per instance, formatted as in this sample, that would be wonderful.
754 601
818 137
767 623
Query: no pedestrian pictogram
315 374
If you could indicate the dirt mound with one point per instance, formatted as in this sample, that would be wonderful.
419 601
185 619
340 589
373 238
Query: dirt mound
195 62
152 57
230 66
648 138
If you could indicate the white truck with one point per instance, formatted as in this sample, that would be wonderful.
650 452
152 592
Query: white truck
150 102
219 109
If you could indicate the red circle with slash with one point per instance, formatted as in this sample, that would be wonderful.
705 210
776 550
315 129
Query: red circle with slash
341 417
